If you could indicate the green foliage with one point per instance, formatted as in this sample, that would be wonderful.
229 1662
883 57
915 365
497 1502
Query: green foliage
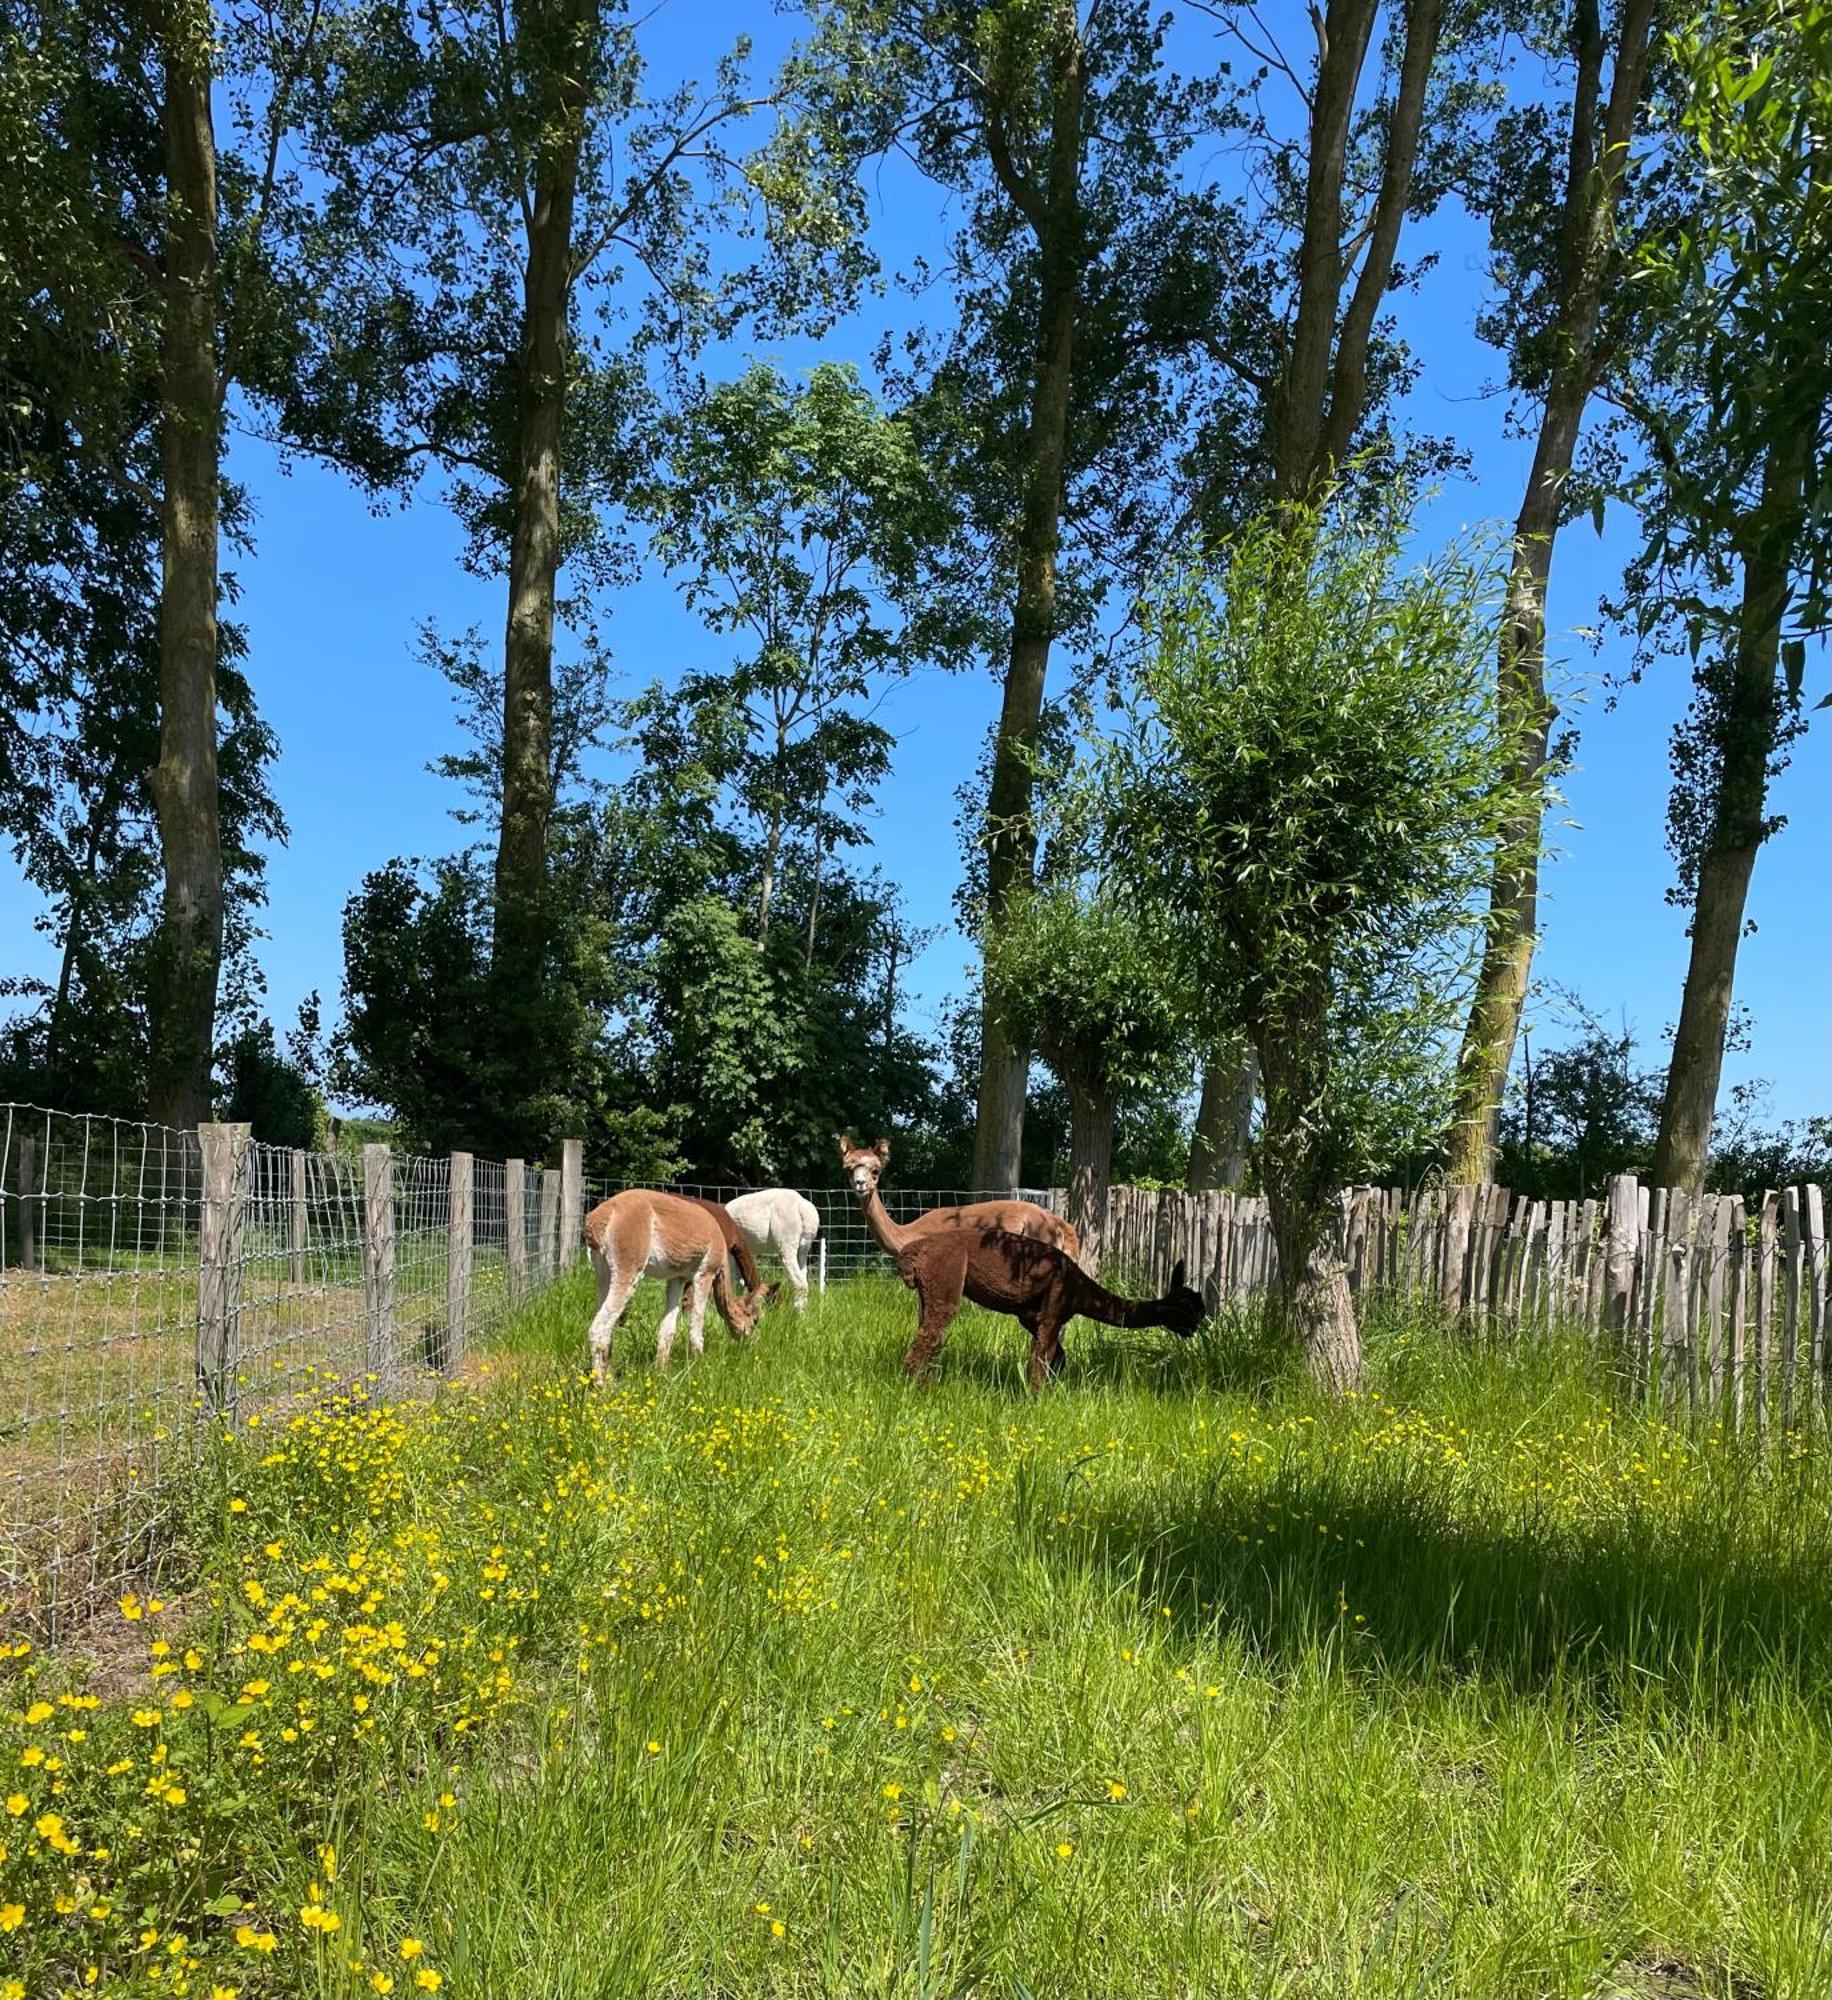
1312 782
1736 398
268 1090
1094 985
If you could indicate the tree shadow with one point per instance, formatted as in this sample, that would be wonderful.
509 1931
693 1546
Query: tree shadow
1390 1580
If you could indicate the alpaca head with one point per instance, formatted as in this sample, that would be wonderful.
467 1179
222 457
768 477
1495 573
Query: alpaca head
864 1165
744 1309
1183 1308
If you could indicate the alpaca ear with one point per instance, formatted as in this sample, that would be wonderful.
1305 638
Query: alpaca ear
844 1141
1176 1277
883 1149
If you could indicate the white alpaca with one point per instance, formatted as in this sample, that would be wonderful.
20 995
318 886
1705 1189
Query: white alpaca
637 1235
779 1219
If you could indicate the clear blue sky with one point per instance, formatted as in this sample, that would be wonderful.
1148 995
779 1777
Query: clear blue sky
334 595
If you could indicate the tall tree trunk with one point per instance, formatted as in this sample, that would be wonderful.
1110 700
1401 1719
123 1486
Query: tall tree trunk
1091 1117
1749 725
1224 1122
766 894
998 1138
1302 1199
1592 190
518 958
184 781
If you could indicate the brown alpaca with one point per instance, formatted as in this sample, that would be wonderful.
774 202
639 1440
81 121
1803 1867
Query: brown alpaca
736 1244
639 1234
1040 1286
865 1167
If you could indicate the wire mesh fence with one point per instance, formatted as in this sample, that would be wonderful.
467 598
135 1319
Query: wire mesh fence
156 1282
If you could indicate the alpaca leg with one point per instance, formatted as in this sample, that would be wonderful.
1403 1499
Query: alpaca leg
794 1264
664 1332
939 1282
696 1314
613 1295
1046 1350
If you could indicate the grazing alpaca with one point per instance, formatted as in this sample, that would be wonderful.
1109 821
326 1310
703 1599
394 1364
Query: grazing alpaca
782 1220
637 1235
735 1245
1043 1288
864 1167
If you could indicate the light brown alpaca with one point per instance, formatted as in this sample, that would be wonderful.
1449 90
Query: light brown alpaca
637 1235
865 1167
1040 1286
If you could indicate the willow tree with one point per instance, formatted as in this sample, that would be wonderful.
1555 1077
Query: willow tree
1565 312
1094 984
1312 780
1391 111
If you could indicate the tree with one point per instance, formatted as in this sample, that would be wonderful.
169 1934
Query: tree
1311 779
1306 365
1565 295
99 645
1736 407
1093 984
799 520
541 223
1089 265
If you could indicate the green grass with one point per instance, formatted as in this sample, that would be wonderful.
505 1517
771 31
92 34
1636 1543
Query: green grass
1176 1680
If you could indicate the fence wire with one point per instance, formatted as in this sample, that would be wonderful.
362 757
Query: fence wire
845 1247
154 1281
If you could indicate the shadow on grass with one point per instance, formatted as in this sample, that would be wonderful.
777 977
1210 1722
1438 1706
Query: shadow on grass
1703 1608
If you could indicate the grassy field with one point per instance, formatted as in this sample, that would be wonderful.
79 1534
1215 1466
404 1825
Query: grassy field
781 1677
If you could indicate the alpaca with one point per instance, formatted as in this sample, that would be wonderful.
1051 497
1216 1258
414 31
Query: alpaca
782 1220
865 1166
639 1234
735 1245
1042 1287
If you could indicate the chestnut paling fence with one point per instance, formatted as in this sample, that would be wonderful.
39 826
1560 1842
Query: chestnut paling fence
156 1283
1707 1302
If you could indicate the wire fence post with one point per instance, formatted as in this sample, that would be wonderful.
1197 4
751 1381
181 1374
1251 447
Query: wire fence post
378 1259
300 1218
458 1263
572 1205
550 1224
222 1221
28 1187
515 1230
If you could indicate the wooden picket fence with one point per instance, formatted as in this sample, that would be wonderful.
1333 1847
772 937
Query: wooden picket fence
1707 1301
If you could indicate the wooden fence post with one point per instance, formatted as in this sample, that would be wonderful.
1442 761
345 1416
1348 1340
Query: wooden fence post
222 1219
28 1192
458 1264
378 1260
515 1230
572 1204
550 1224
1621 1242
300 1216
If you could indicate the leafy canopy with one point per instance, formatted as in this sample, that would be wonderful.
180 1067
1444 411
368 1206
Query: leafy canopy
1312 784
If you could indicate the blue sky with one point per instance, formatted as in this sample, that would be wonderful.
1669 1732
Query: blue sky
335 593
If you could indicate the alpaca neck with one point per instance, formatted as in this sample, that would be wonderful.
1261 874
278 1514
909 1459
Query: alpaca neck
1094 1301
891 1239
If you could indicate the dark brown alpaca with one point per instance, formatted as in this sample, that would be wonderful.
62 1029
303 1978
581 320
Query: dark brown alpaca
735 1244
1043 1288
